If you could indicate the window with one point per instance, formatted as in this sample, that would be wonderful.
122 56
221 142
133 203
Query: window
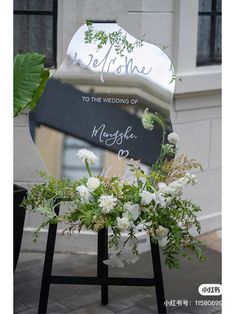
35 28
209 32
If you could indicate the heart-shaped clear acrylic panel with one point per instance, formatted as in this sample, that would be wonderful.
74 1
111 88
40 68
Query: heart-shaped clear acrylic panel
96 98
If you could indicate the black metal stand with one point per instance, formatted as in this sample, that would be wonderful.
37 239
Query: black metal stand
102 278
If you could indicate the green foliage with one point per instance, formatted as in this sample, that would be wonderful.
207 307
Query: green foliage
30 78
116 39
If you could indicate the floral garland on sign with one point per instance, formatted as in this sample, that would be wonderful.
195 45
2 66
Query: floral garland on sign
150 203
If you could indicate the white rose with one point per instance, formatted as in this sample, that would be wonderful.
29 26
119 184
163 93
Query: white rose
107 203
84 193
93 184
86 155
173 138
123 223
133 209
147 197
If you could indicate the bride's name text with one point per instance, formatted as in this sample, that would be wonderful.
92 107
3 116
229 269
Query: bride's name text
111 138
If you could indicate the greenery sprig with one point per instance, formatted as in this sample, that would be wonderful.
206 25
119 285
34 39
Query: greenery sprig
116 39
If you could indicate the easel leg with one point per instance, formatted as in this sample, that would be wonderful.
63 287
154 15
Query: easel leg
102 269
157 270
47 268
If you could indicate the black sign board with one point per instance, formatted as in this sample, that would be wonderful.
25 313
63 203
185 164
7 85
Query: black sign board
97 121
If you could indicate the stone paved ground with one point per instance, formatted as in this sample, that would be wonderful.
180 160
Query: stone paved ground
179 285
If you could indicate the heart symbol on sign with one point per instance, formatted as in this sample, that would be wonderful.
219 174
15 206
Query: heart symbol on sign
123 154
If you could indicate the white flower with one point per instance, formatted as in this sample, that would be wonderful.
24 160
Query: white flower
160 199
143 226
123 223
173 138
133 209
190 178
168 200
84 193
128 256
86 155
107 203
139 227
148 120
176 188
163 188
160 233
93 184
183 181
113 261
147 197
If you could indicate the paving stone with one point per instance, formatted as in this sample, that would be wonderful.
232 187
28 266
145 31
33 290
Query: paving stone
179 310
30 299
70 264
52 308
79 300
205 309
136 310
115 291
133 298
26 275
218 312
18 306
25 288
57 307
58 292
81 311
98 309
30 263
179 284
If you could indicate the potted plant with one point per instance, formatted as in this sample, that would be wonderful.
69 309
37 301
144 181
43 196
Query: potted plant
30 78
19 216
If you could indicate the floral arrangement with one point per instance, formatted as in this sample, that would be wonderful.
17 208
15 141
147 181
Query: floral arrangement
152 203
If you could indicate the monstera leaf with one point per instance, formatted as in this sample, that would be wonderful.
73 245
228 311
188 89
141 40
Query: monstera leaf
30 78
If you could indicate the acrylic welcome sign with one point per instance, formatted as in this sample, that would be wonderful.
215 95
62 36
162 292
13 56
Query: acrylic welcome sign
145 71
99 92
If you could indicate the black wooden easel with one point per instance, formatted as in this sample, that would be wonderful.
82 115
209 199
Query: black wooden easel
71 119
102 277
